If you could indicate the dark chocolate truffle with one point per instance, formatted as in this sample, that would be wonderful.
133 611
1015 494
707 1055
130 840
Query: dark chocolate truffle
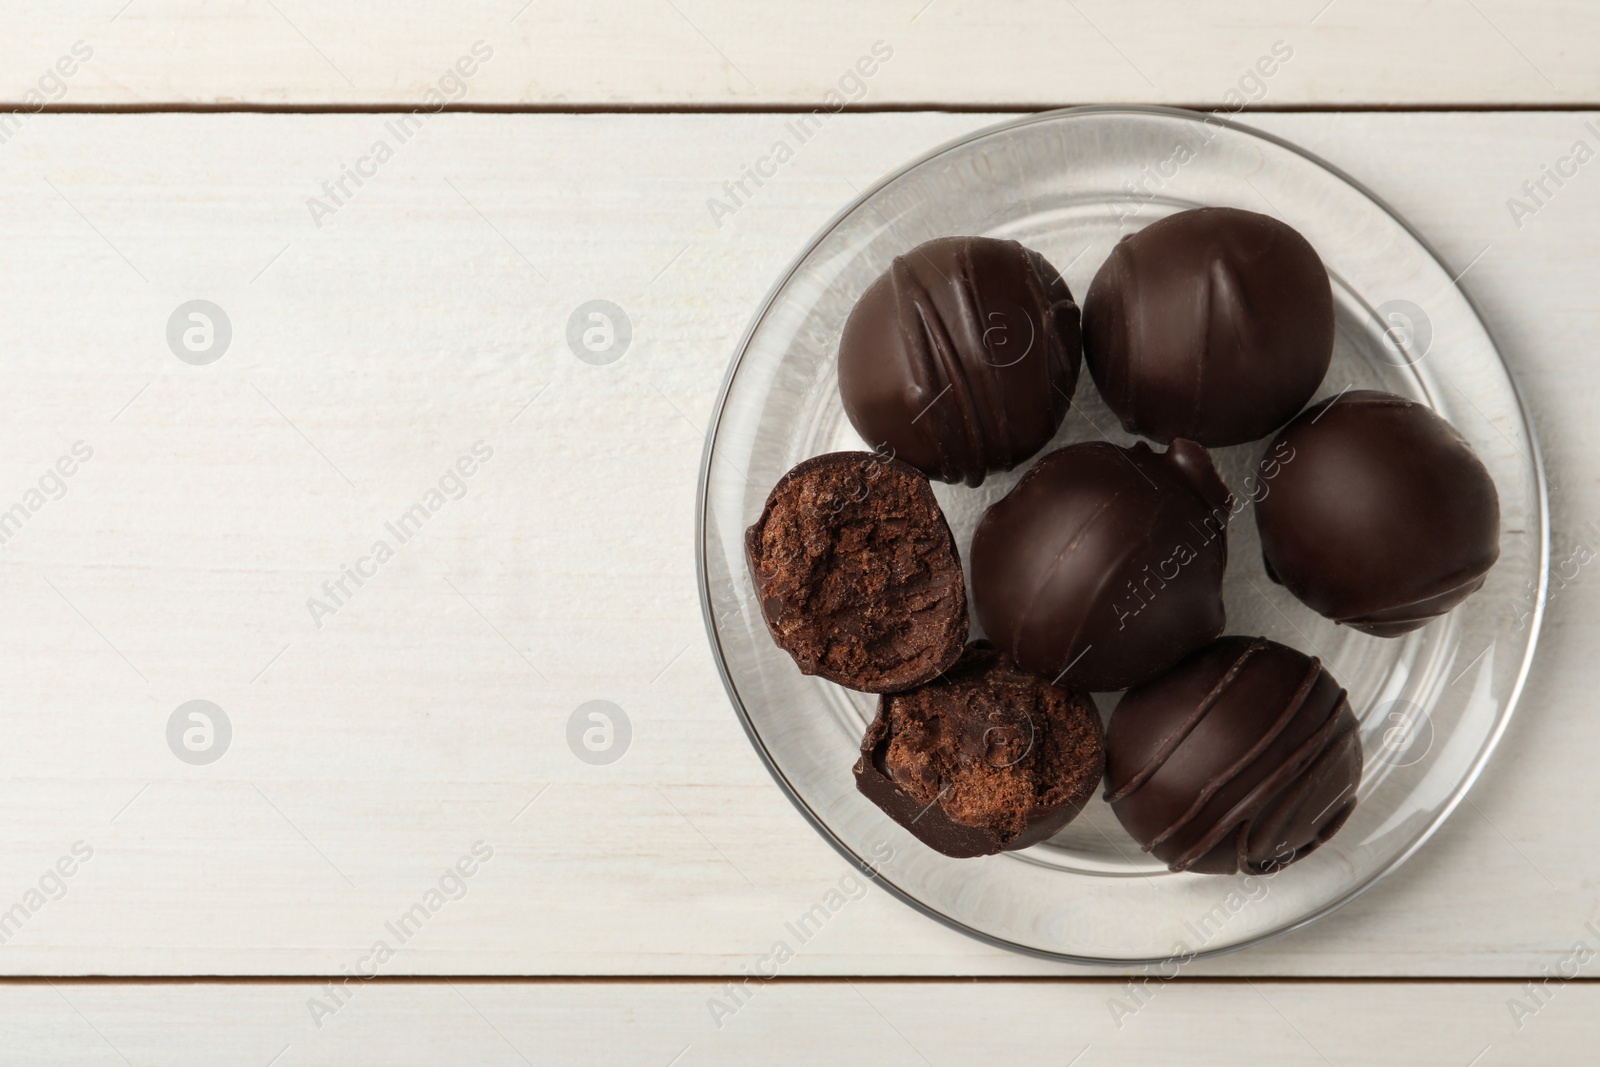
1381 516
1244 757
857 573
1104 565
983 759
961 358
1214 324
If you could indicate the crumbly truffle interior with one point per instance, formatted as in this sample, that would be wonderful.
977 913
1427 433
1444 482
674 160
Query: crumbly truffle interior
858 574
992 746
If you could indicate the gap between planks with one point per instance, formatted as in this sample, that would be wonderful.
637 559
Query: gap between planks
775 108
711 979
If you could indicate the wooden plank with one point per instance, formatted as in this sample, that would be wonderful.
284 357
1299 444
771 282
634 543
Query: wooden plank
710 52
912 1023
429 711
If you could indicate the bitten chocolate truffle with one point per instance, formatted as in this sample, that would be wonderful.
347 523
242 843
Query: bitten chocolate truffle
1214 324
1244 757
857 573
961 358
1104 565
982 759
1381 516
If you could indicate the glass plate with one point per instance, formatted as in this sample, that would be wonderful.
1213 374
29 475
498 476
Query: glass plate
1432 704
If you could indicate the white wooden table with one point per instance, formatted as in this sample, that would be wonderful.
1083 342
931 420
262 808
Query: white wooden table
384 330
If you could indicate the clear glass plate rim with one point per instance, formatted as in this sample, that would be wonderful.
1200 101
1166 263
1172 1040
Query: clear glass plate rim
702 500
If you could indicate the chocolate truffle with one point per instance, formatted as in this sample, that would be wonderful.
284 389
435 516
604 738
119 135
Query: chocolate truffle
1244 757
1380 517
1214 324
961 358
1104 565
857 573
983 759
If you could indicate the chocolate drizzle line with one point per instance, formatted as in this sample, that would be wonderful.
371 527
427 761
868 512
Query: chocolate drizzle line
1279 793
1470 578
930 339
1217 784
971 310
1025 616
1181 734
1244 813
1292 799
1047 336
980 430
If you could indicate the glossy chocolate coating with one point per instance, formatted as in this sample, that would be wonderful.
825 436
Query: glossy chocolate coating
1381 516
1103 566
1214 324
961 358
984 758
1244 757
858 574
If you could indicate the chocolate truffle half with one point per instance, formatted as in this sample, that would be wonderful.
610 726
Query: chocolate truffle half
1214 324
1104 565
983 759
961 358
1244 757
857 573
1381 516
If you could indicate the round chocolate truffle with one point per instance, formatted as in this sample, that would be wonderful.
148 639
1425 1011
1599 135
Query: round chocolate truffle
1244 757
961 358
857 573
983 759
1103 566
1381 516
1214 324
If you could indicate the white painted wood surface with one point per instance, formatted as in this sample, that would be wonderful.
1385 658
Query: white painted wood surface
429 712
672 52
914 1024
